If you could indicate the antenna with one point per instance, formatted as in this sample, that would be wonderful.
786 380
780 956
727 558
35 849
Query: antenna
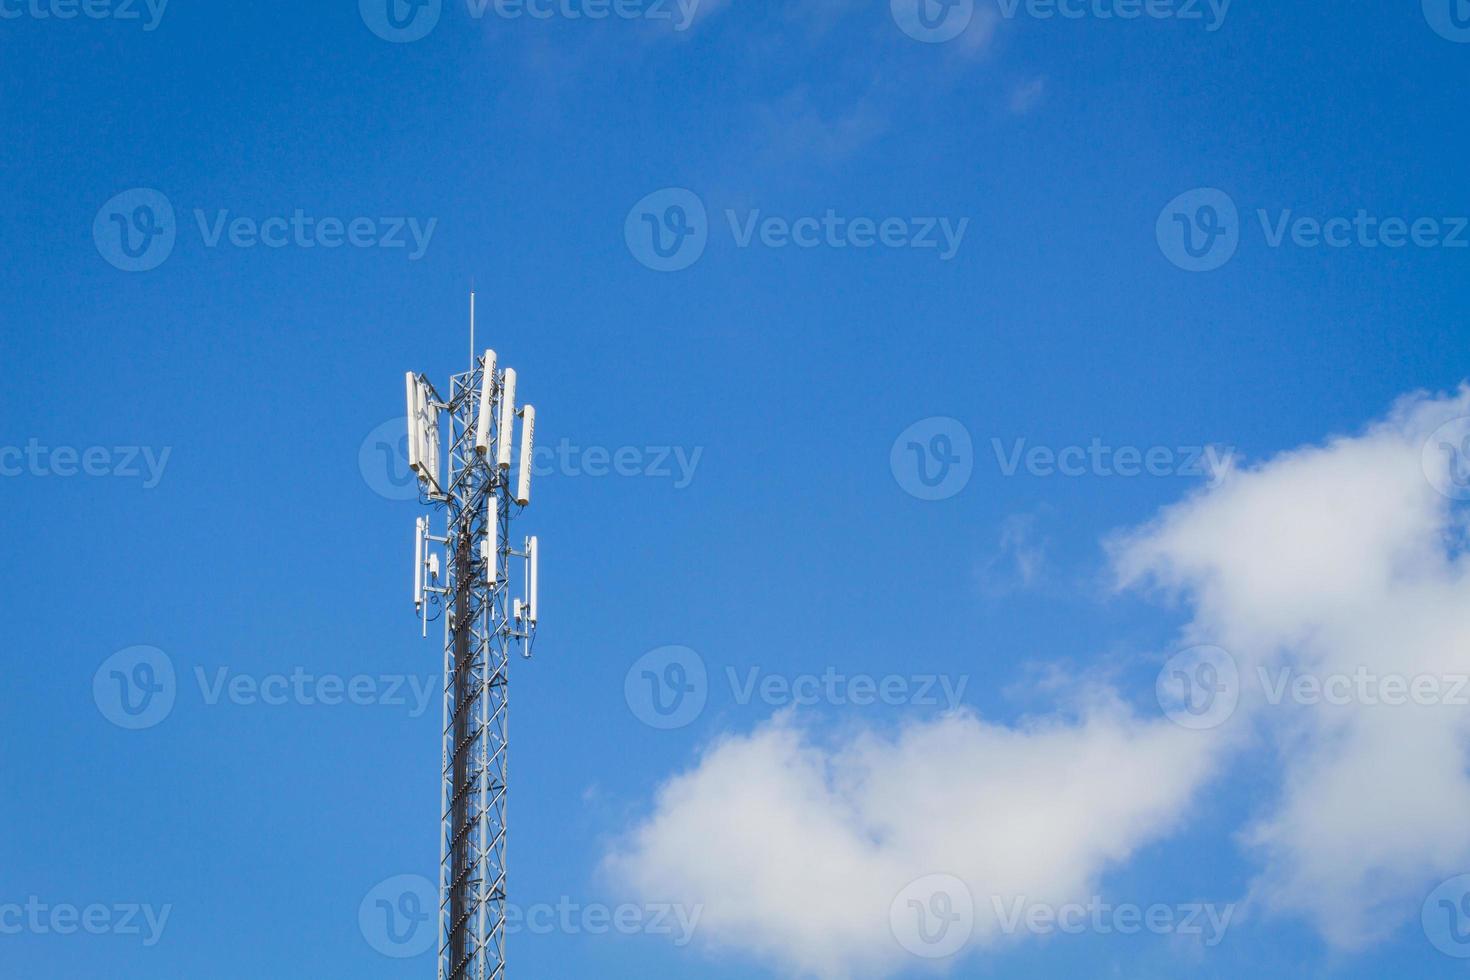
464 577
528 432
418 564
507 417
533 561
487 405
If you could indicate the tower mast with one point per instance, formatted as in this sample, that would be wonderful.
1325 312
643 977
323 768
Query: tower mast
482 625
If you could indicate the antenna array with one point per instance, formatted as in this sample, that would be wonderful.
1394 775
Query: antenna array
470 590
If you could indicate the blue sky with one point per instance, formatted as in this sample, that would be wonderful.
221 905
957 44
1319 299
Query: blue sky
240 520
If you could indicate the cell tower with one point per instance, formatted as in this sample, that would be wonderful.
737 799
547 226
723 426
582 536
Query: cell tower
471 591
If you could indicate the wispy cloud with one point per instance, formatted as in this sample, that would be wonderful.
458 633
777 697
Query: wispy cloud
1019 560
1026 96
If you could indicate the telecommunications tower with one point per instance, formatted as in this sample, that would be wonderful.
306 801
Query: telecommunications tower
470 588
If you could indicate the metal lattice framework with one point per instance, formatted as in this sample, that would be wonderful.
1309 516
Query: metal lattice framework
481 624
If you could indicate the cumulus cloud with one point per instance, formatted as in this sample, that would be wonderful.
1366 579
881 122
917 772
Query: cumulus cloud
797 850
1340 559
1341 563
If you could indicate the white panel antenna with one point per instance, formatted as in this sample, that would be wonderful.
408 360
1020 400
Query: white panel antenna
533 573
429 453
418 564
487 405
528 433
507 418
415 437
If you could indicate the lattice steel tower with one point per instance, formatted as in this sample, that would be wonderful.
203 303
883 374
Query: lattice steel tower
483 623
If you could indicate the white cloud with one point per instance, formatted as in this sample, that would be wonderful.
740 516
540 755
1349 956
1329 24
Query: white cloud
1325 559
797 850
1340 560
